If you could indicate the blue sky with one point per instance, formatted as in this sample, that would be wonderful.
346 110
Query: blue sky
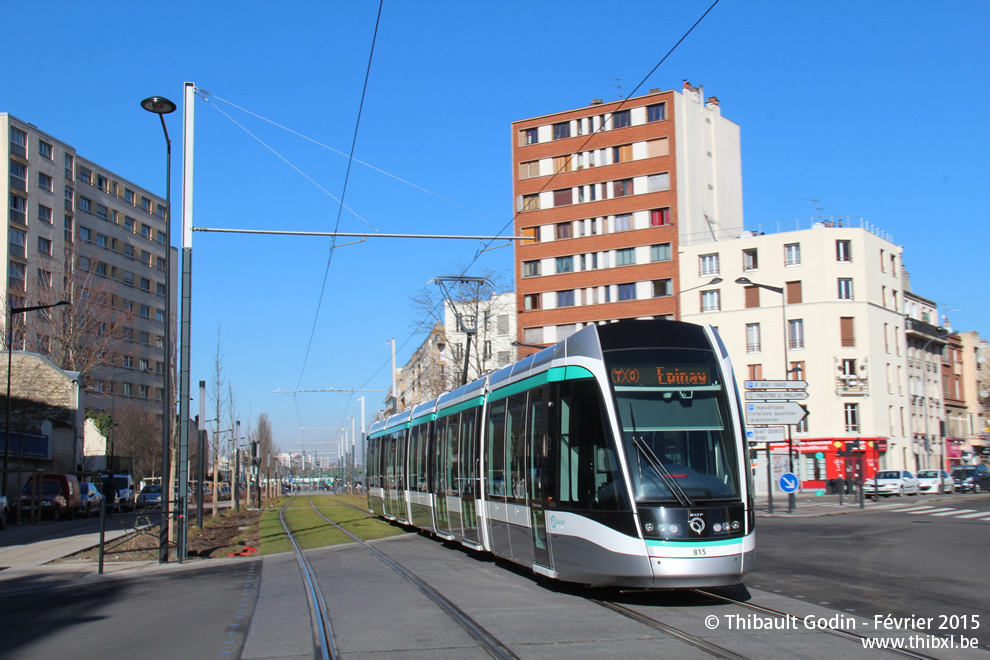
873 108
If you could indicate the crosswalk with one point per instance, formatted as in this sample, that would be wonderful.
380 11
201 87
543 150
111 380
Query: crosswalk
942 512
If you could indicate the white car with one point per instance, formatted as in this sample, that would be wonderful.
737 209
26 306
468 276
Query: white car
892 482
936 481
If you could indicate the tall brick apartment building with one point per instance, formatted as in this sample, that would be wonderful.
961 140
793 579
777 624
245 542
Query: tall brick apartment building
608 192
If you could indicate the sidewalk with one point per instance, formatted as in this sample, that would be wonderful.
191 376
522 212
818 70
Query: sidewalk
809 505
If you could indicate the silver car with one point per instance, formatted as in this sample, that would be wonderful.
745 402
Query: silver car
892 482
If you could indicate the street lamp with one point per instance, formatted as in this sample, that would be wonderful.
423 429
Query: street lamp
11 311
161 106
677 296
745 281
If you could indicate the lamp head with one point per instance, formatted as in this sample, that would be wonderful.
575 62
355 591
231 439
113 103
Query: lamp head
716 280
158 105
743 280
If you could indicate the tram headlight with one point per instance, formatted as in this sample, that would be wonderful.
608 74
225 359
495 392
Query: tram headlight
673 529
649 527
735 525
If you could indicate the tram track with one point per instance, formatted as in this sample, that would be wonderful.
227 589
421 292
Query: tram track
322 625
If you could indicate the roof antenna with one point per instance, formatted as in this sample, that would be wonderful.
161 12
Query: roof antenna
815 200
619 86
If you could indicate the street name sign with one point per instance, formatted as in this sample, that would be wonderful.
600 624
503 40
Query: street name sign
766 434
774 413
776 384
776 395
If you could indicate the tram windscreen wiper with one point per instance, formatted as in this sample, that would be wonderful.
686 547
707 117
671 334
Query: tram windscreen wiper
657 464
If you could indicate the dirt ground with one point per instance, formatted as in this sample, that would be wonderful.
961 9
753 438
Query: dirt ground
230 533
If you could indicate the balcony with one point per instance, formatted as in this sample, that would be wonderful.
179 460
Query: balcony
852 385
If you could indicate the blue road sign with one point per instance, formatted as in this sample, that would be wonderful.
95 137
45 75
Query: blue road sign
788 482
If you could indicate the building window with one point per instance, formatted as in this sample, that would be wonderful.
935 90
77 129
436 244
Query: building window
146 204
660 252
627 292
17 242
101 240
102 183
563 197
160 289
18 176
46 182
562 130
795 333
752 296
755 371
792 254
45 150
18 142
531 202
622 187
565 298
796 371
656 112
85 175
623 222
752 337
847 332
18 209
843 251
145 312
852 417
531 301
660 217
45 278
750 261
68 199
793 292
529 169
663 288
625 257
622 153
44 245
565 264
44 214
845 288
68 167
708 264
561 164
563 230
85 205
621 119
529 136
710 301
658 182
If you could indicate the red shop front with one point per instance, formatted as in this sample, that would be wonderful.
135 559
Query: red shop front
821 459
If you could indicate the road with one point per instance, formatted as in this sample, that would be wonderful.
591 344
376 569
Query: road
916 558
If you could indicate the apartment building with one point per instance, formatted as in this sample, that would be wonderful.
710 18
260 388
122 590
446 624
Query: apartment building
607 192
819 300
107 251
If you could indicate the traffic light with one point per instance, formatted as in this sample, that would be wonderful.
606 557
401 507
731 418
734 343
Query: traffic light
849 449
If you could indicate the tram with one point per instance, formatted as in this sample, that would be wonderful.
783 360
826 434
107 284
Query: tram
615 457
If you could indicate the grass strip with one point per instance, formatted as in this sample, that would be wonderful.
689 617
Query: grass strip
312 531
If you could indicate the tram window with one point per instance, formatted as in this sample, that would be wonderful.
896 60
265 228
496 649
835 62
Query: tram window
537 445
451 473
423 449
496 449
400 456
516 447
589 477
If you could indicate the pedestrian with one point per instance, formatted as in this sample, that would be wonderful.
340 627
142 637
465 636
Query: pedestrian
109 492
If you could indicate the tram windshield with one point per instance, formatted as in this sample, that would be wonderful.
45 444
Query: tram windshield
676 425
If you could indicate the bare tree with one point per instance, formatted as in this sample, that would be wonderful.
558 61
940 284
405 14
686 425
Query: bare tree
133 427
217 397
83 337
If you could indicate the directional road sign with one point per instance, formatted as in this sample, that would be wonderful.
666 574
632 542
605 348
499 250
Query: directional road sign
788 482
776 384
774 413
766 434
776 395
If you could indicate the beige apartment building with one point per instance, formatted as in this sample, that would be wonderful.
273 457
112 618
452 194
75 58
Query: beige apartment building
77 229
830 312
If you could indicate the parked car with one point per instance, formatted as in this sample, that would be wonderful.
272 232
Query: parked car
150 497
892 482
126 494
971 478
59 495
90 499
936 481
3 511
224 492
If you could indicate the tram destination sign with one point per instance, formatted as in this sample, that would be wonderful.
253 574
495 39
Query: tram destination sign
772 413
776 384
777 395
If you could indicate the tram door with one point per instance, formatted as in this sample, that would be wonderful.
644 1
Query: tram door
442 472
468 466
389 502
451 457
539 465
